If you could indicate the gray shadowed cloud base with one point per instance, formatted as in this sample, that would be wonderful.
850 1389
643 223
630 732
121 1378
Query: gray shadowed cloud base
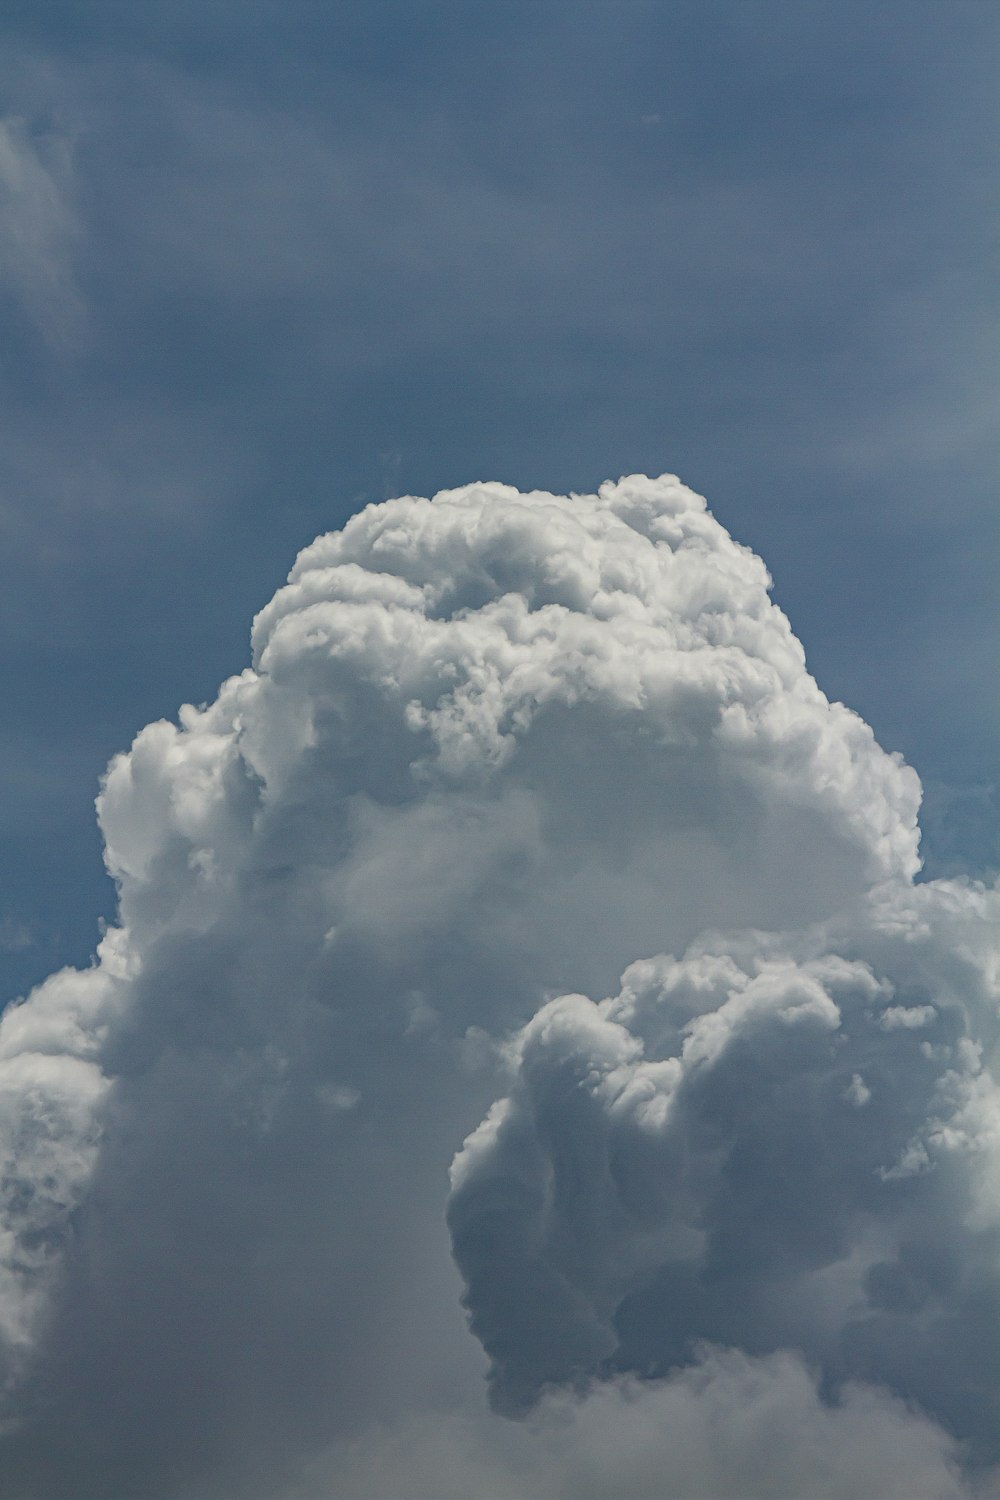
731 1230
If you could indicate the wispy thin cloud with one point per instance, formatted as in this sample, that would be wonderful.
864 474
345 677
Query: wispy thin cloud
39 227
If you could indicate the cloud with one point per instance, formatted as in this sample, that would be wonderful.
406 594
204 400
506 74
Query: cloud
724 1428
14 935
39 227
753 1144
493 750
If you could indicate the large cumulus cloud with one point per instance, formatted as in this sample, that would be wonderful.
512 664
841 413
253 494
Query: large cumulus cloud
494 750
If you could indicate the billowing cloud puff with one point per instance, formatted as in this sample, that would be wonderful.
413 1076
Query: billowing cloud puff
494 749
775 1142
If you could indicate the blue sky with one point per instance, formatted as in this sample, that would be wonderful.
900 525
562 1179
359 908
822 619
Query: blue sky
263 264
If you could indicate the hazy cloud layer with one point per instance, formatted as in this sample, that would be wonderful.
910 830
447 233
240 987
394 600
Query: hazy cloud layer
497 748
723 1428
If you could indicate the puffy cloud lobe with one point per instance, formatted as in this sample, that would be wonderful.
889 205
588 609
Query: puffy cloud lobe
756 1144
485 608
51 1087
491 747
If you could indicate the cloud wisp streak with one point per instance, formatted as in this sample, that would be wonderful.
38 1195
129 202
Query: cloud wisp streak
498 753
38 228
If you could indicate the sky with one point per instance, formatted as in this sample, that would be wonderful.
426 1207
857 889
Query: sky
262 267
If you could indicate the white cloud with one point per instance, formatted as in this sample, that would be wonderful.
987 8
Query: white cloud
495 748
